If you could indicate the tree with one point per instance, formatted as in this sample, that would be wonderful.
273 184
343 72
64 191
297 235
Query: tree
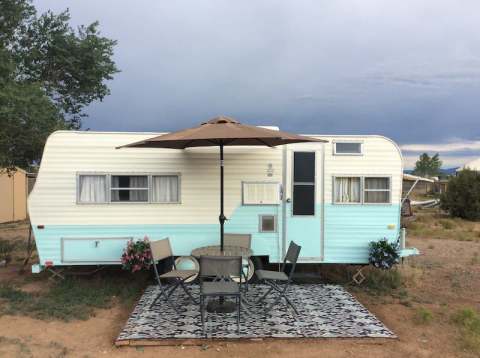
427 166
49 73
462 198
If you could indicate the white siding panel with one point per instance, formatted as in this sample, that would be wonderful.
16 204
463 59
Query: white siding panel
53 200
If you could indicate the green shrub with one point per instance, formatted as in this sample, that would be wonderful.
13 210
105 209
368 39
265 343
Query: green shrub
423 316
462 198
468 319
383 281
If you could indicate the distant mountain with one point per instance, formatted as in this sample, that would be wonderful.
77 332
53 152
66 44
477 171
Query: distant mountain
449 171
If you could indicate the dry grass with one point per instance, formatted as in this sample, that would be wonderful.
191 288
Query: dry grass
434 224
423 316
468 320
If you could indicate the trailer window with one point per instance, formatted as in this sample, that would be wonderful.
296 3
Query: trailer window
347 190
260 193
92 188
377 190
347 148
303 183
132 188
165 189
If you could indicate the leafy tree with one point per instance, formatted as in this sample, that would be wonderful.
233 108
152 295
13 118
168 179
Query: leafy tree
427 166
462 198
49 73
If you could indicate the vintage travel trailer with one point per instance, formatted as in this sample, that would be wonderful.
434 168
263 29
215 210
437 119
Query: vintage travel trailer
331 198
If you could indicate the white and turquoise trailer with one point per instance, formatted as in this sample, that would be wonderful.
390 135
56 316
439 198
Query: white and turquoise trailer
331 198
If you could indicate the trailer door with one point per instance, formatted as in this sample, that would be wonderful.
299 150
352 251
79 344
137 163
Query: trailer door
303 199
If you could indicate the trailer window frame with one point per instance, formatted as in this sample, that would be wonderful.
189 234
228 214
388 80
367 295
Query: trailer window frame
363 190
389 190
129 189
278 191
346 141
107 193
334 191
108 179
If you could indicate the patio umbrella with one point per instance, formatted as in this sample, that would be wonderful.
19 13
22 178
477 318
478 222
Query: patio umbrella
221 131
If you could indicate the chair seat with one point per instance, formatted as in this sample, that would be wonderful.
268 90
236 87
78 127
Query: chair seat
181 274
219 287
271 275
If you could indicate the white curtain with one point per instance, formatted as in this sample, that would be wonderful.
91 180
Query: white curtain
377 196
377 183
133 182
165 189
139 182
381 187
92 189
347 190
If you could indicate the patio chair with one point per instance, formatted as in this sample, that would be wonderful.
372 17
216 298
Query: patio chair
162 250
279 281
241 240
218 270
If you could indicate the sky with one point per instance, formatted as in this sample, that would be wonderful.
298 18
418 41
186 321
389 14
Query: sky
409 70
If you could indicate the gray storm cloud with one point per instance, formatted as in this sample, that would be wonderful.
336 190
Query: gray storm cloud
409 70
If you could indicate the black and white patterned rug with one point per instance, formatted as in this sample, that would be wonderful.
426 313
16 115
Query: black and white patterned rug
325 311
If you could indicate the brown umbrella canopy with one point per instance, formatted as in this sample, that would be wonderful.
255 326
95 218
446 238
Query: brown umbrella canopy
222 131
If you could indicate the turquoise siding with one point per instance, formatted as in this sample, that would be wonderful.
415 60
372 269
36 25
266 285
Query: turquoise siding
184 238
348 230
306 232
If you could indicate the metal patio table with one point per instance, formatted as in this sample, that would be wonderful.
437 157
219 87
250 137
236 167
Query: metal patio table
228 250
215 250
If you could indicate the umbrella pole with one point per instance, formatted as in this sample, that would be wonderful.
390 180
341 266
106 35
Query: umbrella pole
222 217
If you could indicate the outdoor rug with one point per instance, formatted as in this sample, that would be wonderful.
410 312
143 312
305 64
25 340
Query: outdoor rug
326 311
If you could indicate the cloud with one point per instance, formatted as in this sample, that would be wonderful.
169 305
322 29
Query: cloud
409 70
447 162
455 153
465 146
431 75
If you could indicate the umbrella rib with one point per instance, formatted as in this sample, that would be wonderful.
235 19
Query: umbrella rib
265 143
212 141
186 144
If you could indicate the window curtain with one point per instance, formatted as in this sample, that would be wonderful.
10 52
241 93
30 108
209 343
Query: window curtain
92 189
377 183
127 182
165 189
347 190
381 187
139 182
377 196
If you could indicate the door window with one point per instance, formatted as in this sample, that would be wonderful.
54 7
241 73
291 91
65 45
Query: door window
303 183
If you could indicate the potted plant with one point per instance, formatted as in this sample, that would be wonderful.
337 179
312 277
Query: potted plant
383 254
137 255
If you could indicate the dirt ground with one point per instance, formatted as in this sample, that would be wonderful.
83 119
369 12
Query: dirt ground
444 278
